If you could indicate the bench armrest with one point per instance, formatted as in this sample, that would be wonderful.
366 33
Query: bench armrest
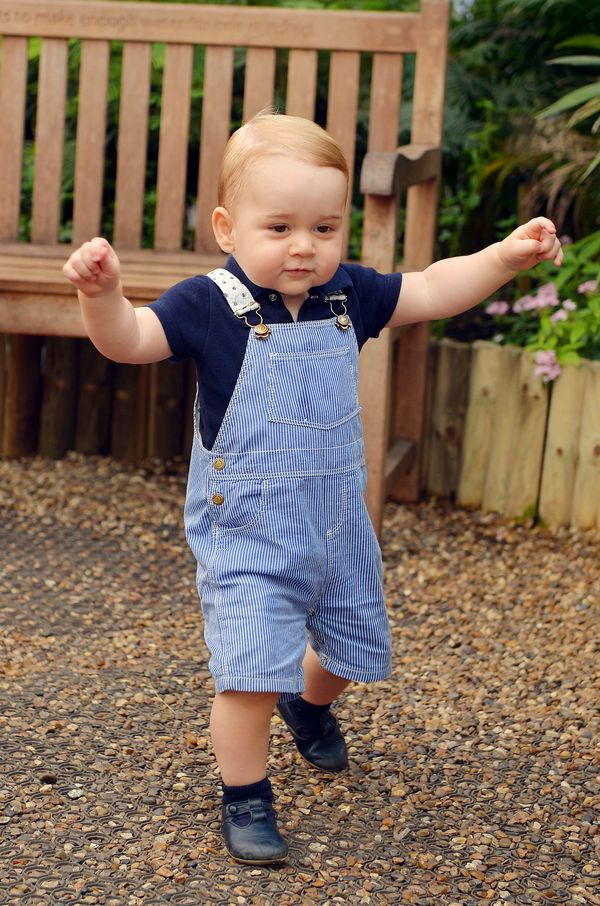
388 172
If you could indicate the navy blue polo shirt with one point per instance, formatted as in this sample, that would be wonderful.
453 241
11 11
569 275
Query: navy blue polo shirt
199 324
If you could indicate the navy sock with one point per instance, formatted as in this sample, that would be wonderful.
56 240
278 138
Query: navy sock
301 706
262 789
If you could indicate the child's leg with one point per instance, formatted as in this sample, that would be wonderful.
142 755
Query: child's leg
239 725
320 686
314 728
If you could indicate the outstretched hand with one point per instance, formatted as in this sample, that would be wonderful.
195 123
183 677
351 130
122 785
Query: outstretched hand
529 244
94 268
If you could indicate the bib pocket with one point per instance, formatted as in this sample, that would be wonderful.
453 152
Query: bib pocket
236 505
312 389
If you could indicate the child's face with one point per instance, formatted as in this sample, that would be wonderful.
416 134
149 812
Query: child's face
286 226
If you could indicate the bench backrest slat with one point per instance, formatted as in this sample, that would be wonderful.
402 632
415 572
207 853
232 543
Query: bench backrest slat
386 91
302 83
13 88
213 25
91 138
344 76
132 145
259 81
173 146
216 114
49 139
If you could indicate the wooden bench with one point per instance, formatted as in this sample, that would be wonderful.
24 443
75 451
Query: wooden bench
211 66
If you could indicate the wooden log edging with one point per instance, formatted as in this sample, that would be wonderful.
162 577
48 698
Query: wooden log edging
527 449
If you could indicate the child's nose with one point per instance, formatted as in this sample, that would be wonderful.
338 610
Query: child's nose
302 243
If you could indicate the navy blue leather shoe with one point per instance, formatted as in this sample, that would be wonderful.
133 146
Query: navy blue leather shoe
250 832
320 741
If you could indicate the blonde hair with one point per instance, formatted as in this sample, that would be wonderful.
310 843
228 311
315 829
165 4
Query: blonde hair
274 133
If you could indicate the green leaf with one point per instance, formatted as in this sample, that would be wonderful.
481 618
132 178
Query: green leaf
572 99
568 358
592 42
591 168
583 60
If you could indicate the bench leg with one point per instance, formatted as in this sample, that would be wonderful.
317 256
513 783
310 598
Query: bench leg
411 380
375 395
22 397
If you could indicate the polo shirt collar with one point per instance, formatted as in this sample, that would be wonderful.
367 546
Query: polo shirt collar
339 281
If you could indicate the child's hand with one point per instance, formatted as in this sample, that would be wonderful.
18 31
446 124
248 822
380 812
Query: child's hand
94 268
530 243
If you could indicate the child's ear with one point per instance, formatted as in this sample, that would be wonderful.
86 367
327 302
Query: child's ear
222 224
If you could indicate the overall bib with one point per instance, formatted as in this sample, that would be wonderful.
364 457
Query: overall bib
275 514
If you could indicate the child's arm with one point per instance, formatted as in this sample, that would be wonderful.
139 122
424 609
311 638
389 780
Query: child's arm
117 329
453 285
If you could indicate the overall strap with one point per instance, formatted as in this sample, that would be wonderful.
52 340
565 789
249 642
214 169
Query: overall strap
237 295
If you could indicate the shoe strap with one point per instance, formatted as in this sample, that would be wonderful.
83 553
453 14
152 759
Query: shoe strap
253 807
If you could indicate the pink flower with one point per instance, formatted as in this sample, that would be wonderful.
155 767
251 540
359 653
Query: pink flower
525 303
546 365
559 315
590 286
547 295
569 305
497 308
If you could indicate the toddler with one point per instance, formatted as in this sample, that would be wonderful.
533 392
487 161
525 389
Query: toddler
289 569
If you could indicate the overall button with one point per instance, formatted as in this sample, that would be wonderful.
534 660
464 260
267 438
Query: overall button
219 464
218 499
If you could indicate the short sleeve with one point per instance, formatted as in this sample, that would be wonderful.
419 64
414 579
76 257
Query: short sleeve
377 296
184 312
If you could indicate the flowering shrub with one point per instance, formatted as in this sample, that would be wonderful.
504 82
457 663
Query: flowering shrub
560 320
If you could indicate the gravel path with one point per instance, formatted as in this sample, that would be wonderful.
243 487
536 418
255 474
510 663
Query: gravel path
474 769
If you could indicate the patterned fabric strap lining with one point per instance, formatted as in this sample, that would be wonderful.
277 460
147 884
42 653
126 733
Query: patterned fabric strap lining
240 300
237 295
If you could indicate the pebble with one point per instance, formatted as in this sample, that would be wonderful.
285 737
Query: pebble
473 774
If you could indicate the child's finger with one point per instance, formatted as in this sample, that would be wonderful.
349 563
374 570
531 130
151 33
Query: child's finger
103 255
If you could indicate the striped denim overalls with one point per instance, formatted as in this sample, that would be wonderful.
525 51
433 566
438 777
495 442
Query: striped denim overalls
275 514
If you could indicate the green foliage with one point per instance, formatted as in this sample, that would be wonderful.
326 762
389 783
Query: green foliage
585 99
559 320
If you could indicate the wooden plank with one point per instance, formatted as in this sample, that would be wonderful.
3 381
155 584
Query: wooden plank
301 92
384 113
94 404
484 389
374 390
49 140
91 140
527 449
165 416
132 145
342 106
3 370
22 397
561 452
259 82
426 129
428 426
129 412
173 147
216 107
585 512
387 32
506 416
59 397
375 378
448 417
13 89
400 459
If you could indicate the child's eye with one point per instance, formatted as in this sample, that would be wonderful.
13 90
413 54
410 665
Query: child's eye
279 228
324 228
